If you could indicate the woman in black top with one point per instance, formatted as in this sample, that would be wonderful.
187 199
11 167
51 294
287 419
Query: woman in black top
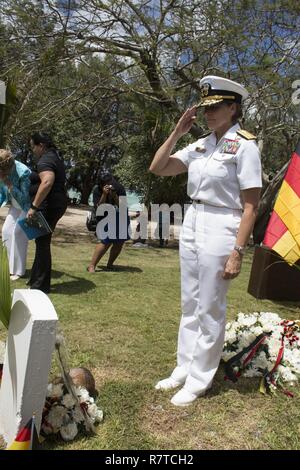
48 195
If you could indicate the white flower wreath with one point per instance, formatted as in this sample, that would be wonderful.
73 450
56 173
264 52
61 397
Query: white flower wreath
262 344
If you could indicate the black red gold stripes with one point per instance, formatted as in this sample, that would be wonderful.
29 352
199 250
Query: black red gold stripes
283 230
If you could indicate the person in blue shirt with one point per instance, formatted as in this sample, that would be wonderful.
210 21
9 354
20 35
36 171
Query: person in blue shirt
14 189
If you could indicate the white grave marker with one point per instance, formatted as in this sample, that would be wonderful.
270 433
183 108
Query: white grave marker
30 343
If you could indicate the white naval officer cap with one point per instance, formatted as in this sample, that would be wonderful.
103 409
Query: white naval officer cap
217 89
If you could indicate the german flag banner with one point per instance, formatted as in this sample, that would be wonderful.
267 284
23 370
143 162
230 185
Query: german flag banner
283 231
23 440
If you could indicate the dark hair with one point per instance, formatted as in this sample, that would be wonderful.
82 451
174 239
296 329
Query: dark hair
43 138
238 113
103 182
103 177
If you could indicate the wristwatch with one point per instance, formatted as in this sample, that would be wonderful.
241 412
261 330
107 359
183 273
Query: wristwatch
240 249
33 207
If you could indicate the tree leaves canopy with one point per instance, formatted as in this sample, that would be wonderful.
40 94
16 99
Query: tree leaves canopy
104 76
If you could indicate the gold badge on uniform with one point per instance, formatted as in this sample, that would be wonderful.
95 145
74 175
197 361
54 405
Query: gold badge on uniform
230 146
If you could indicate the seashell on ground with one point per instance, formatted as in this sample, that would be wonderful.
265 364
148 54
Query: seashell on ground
84 378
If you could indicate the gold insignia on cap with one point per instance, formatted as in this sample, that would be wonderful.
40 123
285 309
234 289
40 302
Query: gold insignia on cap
205 89
247 135
214 99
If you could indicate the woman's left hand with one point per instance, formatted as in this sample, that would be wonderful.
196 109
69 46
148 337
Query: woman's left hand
30 213
232 266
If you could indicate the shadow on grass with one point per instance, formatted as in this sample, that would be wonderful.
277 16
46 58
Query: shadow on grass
55 441
77 285
57 274
243 385
118 268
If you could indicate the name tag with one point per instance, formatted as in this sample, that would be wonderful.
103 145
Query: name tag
230 146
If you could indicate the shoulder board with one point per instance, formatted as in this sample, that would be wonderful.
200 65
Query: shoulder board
205 135
247 135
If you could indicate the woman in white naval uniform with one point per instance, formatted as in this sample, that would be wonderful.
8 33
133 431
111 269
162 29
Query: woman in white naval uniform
224 181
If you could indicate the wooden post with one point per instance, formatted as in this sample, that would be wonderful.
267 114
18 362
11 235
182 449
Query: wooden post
272 278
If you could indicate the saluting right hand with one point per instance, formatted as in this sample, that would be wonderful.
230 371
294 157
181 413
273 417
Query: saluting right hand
186 121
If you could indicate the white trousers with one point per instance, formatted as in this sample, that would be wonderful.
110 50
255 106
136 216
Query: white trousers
15 241
207 237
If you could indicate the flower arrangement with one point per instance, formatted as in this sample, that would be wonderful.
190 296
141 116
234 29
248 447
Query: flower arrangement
67 414
263 344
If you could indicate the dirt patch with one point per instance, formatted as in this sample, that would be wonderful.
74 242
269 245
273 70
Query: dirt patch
74 220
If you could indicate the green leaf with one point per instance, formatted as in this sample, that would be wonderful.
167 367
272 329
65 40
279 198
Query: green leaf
262 386
5 291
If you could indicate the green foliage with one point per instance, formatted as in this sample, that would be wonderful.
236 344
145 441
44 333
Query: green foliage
5 291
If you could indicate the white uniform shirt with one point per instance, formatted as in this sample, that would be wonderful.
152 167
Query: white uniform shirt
217 172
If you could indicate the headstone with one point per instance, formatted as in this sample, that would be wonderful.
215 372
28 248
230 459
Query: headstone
27 362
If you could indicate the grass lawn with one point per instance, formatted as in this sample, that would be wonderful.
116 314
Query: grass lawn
123 327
